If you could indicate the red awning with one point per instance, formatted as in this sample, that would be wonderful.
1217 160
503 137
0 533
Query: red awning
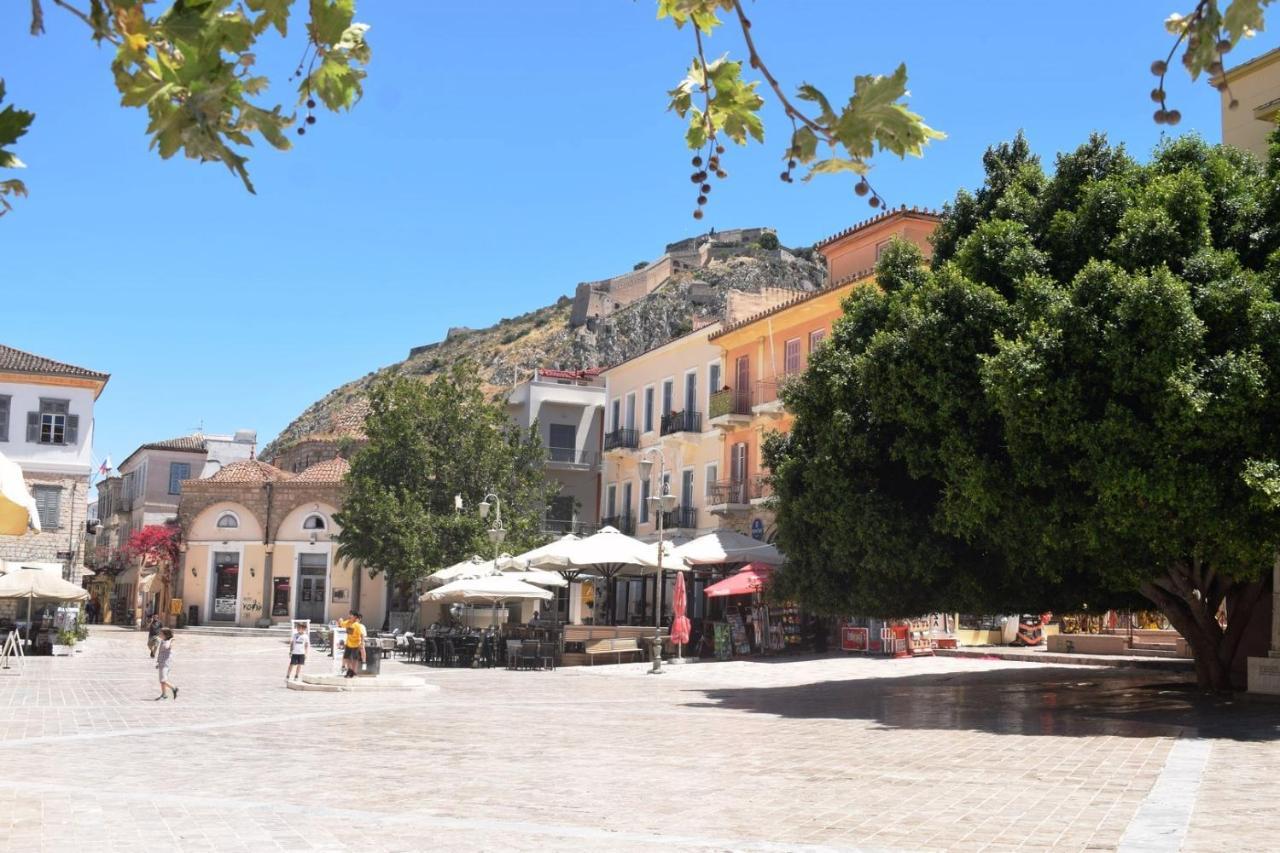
750 579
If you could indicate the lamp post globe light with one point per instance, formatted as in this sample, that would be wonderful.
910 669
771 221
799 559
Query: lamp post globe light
662 502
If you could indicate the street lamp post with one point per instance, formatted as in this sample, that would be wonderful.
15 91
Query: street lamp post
496 533
663 502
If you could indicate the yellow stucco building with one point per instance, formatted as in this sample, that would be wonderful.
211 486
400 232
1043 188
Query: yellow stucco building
1256 86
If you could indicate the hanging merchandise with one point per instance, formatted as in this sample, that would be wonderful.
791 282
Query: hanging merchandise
738 635
724 647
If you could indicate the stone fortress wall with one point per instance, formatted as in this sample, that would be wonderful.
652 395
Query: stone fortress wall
596 299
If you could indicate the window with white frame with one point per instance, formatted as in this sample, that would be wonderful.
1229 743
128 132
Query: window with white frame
668 394
713 476
815 338
644 501
228 520
611 501
5 404
49 504
53 423
648 409
631 411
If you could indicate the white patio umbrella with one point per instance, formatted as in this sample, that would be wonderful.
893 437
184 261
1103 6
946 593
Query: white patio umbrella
607 554
727 546
494 589
523 562
538 577
475 567
33 584
17 507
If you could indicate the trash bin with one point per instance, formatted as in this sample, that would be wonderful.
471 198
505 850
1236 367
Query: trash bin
193 615
372 658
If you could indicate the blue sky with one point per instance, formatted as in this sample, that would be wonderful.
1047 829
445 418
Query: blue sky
496 160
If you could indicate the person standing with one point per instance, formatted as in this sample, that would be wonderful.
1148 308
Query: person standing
164 660
353 654
153 635
299 643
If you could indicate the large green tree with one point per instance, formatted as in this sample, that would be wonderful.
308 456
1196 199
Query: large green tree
427 443
1076 403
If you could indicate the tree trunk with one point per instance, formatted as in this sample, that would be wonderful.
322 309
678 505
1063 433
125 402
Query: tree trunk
1189 594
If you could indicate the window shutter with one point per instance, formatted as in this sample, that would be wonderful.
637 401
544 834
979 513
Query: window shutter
72 432
33 427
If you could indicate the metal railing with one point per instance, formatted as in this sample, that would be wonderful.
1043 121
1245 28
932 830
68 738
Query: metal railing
572 456
760 487
770 390
685 517
622 438
624 523
686 421
730 401
728 492
562 526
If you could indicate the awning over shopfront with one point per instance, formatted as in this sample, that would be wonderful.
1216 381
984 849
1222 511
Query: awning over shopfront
751 579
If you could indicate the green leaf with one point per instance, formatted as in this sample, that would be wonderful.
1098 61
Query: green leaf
14 124
274 13
330 19
334 82
812 93
836 164
804 145
873 117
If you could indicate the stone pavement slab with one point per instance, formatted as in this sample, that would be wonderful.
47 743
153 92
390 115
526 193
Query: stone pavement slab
808 754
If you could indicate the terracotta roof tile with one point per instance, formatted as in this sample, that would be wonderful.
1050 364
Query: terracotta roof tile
328 471
25 362
248 471
790 303
879 217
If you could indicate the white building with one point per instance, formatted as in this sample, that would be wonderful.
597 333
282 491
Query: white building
46 427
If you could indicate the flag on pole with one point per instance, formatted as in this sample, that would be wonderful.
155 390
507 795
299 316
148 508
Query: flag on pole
105 468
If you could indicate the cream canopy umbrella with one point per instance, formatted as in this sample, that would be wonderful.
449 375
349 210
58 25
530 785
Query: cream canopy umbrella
33 584
538 577
18 510
606 553
525 561
493 589
475 567
722 547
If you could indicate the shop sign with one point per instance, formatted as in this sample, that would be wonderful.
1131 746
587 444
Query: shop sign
224 606
175 606
855 639
757 529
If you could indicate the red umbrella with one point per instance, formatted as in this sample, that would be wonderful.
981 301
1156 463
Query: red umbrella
680 622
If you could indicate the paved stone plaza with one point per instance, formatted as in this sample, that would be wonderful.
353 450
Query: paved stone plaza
829 754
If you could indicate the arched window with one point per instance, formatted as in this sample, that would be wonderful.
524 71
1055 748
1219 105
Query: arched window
228 519
313 522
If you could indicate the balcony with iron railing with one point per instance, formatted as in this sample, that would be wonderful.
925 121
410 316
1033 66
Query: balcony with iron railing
624 523
622 439
730 407
686 421
571 457
728 496
561 526
681 518
767 399
760 488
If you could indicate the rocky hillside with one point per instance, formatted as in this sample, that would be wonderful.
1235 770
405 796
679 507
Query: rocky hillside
509 350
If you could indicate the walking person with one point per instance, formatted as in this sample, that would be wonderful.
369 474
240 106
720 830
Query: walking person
153 635
353 654
164 659
299 643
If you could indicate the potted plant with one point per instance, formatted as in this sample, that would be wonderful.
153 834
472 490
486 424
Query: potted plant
81 632
64 643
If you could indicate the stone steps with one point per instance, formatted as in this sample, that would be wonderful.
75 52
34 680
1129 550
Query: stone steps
231 631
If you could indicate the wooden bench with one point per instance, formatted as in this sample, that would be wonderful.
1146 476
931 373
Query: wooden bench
618 646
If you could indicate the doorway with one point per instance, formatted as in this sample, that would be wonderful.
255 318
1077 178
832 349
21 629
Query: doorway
312 569
225 595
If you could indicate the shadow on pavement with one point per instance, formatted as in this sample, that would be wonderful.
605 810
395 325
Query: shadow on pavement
1056 701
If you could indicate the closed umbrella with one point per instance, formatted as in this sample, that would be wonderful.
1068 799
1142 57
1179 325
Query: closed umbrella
17 508
680 621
